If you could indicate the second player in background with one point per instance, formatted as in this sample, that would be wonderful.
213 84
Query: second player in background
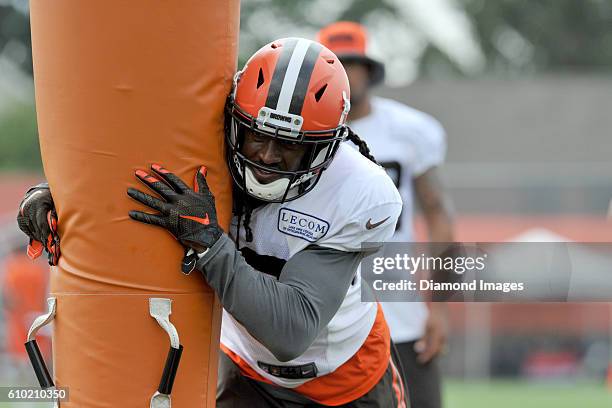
411 145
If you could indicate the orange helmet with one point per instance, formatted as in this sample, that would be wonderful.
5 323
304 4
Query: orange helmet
294 90
349 41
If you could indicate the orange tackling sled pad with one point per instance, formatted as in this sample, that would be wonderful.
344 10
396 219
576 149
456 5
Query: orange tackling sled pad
120 85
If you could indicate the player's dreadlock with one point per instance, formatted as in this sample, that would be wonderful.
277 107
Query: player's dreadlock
361 144
243 208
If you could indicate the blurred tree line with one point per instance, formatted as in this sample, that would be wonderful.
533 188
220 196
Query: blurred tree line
515 37
19 148
560 35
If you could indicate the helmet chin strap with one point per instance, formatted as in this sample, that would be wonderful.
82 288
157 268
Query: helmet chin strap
269 191
276 189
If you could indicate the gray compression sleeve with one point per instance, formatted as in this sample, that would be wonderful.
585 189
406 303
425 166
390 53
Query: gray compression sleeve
287 314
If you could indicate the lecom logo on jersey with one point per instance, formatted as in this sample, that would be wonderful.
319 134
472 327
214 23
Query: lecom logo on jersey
301 225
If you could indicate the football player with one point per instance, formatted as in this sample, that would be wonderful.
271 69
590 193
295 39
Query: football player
411 146
295 332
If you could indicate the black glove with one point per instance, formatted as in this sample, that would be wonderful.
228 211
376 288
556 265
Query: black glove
189 215
38 220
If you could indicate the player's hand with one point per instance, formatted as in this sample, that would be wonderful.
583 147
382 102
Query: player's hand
434 340
38 220
189 214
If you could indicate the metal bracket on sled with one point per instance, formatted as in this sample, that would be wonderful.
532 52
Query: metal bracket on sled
160 309
38 362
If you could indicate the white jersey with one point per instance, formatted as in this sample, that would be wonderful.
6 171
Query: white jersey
352 193
407 142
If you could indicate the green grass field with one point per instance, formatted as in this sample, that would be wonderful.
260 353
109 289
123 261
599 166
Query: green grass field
501 394
515 394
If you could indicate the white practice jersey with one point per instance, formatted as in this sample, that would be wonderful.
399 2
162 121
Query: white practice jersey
407 142
352 193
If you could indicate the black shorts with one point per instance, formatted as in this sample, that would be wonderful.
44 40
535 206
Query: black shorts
423 380
237 391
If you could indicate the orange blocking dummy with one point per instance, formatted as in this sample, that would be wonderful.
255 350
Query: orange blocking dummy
120 85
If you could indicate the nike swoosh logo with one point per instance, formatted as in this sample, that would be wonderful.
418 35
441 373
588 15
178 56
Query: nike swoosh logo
204 221
27 200
370 226
189 266
189 261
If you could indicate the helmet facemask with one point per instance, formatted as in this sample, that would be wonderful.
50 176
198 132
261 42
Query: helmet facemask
321 148
294 91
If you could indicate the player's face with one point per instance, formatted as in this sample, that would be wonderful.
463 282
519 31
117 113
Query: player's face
270 152
359 80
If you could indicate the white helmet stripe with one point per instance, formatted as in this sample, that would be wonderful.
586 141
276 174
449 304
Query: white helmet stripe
291 75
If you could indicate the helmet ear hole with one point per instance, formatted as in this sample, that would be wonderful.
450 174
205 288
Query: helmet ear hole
320 92
260 78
